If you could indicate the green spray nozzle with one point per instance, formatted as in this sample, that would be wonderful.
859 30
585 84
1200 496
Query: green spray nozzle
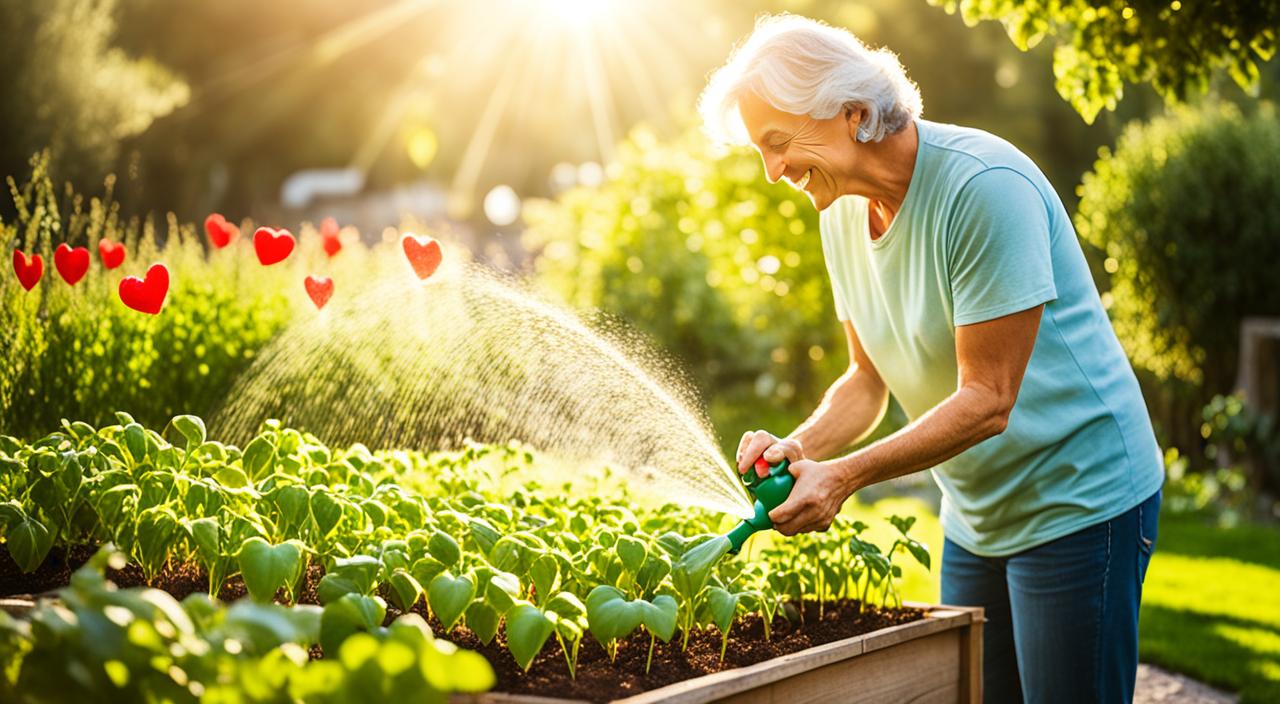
769 492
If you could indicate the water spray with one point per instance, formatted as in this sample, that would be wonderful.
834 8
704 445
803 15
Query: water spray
769 492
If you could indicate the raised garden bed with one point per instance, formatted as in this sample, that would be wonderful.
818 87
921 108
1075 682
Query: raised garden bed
348 567
937 658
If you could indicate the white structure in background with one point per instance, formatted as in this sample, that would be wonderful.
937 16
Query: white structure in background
315 194
502 205
303 187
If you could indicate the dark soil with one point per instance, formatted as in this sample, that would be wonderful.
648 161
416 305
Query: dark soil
596 679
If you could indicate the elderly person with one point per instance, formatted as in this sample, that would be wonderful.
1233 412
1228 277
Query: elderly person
964 292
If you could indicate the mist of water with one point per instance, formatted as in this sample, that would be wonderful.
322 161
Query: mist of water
467 355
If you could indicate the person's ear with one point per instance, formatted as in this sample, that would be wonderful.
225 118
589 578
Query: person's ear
854 115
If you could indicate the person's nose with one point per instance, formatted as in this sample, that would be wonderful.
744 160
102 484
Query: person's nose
774 167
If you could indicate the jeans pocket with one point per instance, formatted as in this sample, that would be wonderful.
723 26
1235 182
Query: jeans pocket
1148 524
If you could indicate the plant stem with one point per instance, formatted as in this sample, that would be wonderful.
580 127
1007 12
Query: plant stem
652 640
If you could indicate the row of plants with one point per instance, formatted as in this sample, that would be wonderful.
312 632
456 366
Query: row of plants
462 534
98 642
77 351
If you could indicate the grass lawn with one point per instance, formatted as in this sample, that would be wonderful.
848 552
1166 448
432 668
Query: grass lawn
1211 605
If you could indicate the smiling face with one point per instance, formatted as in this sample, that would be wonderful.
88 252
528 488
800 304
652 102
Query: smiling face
816 156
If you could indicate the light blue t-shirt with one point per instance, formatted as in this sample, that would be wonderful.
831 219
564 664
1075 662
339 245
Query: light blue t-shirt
982 234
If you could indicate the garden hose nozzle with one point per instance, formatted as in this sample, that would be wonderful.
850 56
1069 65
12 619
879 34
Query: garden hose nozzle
769 493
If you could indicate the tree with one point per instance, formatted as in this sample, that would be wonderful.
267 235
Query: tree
1175 46
67 88
1185 210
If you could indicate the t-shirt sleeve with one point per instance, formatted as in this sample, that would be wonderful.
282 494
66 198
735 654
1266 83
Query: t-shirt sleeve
828 231
1000 259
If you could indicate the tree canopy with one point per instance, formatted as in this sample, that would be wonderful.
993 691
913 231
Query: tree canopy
1174 46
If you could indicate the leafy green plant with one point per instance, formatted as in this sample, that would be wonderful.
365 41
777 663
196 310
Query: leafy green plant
409 526
98 642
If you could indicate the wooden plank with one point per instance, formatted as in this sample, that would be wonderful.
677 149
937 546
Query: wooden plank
937 658
937 620
722 684
971 661
731 682
922 670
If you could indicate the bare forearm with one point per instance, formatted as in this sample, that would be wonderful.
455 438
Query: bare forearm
967 417
851 408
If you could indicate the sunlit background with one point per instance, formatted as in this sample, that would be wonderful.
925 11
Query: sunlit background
556 141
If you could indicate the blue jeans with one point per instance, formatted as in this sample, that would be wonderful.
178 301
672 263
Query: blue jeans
1062 618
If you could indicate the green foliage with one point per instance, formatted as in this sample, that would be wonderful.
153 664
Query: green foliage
1185 209
78 351
692 247
1104 44
390 522
1239 434
67 87
98 643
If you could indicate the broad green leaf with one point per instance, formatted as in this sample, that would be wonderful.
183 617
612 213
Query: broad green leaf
426 569
29 542
632 552
231 477
258 455
326 511
483 621
449 597
659 616
348 615
610 616
449 669
719 608
919 551
405 590
266 567
206 533
293 504
656 567
135 441
691 570
332 588
528 629
362 570
503 591
157 528
192 428
444 548
544 572
485 535
566 605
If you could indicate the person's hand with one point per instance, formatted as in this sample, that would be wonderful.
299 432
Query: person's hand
819 493
761 443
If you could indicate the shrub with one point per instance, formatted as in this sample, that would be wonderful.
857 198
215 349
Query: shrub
66 86
77 351
1186 210
696 249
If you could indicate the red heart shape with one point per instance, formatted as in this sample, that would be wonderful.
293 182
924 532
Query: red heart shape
146 295
272 245
72 264
424 254
220 231
332 245
112 253
320 288
29 270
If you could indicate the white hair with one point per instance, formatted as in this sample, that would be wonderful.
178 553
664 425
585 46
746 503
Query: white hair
806 67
